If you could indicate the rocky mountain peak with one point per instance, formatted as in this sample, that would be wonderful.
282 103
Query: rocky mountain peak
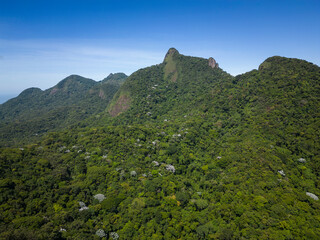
115 78
213 63
171 52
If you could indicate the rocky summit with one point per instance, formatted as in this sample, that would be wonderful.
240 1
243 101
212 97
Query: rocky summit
178 150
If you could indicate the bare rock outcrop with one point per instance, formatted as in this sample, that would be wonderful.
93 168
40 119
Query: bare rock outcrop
171 52
213 63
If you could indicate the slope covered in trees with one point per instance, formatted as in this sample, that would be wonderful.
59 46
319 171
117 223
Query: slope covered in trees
205 156
180 85
72 100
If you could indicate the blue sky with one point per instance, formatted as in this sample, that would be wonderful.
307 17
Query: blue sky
41 42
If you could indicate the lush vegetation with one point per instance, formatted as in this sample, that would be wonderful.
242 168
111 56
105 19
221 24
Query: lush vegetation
72 100
194 154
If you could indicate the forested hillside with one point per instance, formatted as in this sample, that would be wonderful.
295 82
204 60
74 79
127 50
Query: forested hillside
180 85
183 150
72 100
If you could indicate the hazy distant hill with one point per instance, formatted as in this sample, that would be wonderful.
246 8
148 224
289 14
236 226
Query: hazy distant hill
181 150
73 99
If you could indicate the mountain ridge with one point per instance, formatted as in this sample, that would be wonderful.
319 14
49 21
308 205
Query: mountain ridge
177 72
190 152
72 96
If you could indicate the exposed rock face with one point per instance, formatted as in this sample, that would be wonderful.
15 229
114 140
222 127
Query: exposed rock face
213 63
313 196
302 160
170 69
171 52
101 94
53 91
122 104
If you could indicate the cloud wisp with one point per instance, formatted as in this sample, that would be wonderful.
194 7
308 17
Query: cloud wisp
35 63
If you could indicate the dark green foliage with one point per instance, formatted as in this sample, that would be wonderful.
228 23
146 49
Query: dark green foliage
72 100
227 139
155 97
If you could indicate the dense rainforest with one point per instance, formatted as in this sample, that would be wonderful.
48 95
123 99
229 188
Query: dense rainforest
179 150
35 112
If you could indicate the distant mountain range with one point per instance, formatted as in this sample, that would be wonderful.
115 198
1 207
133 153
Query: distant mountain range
72 100
178 150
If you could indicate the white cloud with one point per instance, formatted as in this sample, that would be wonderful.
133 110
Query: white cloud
42 63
